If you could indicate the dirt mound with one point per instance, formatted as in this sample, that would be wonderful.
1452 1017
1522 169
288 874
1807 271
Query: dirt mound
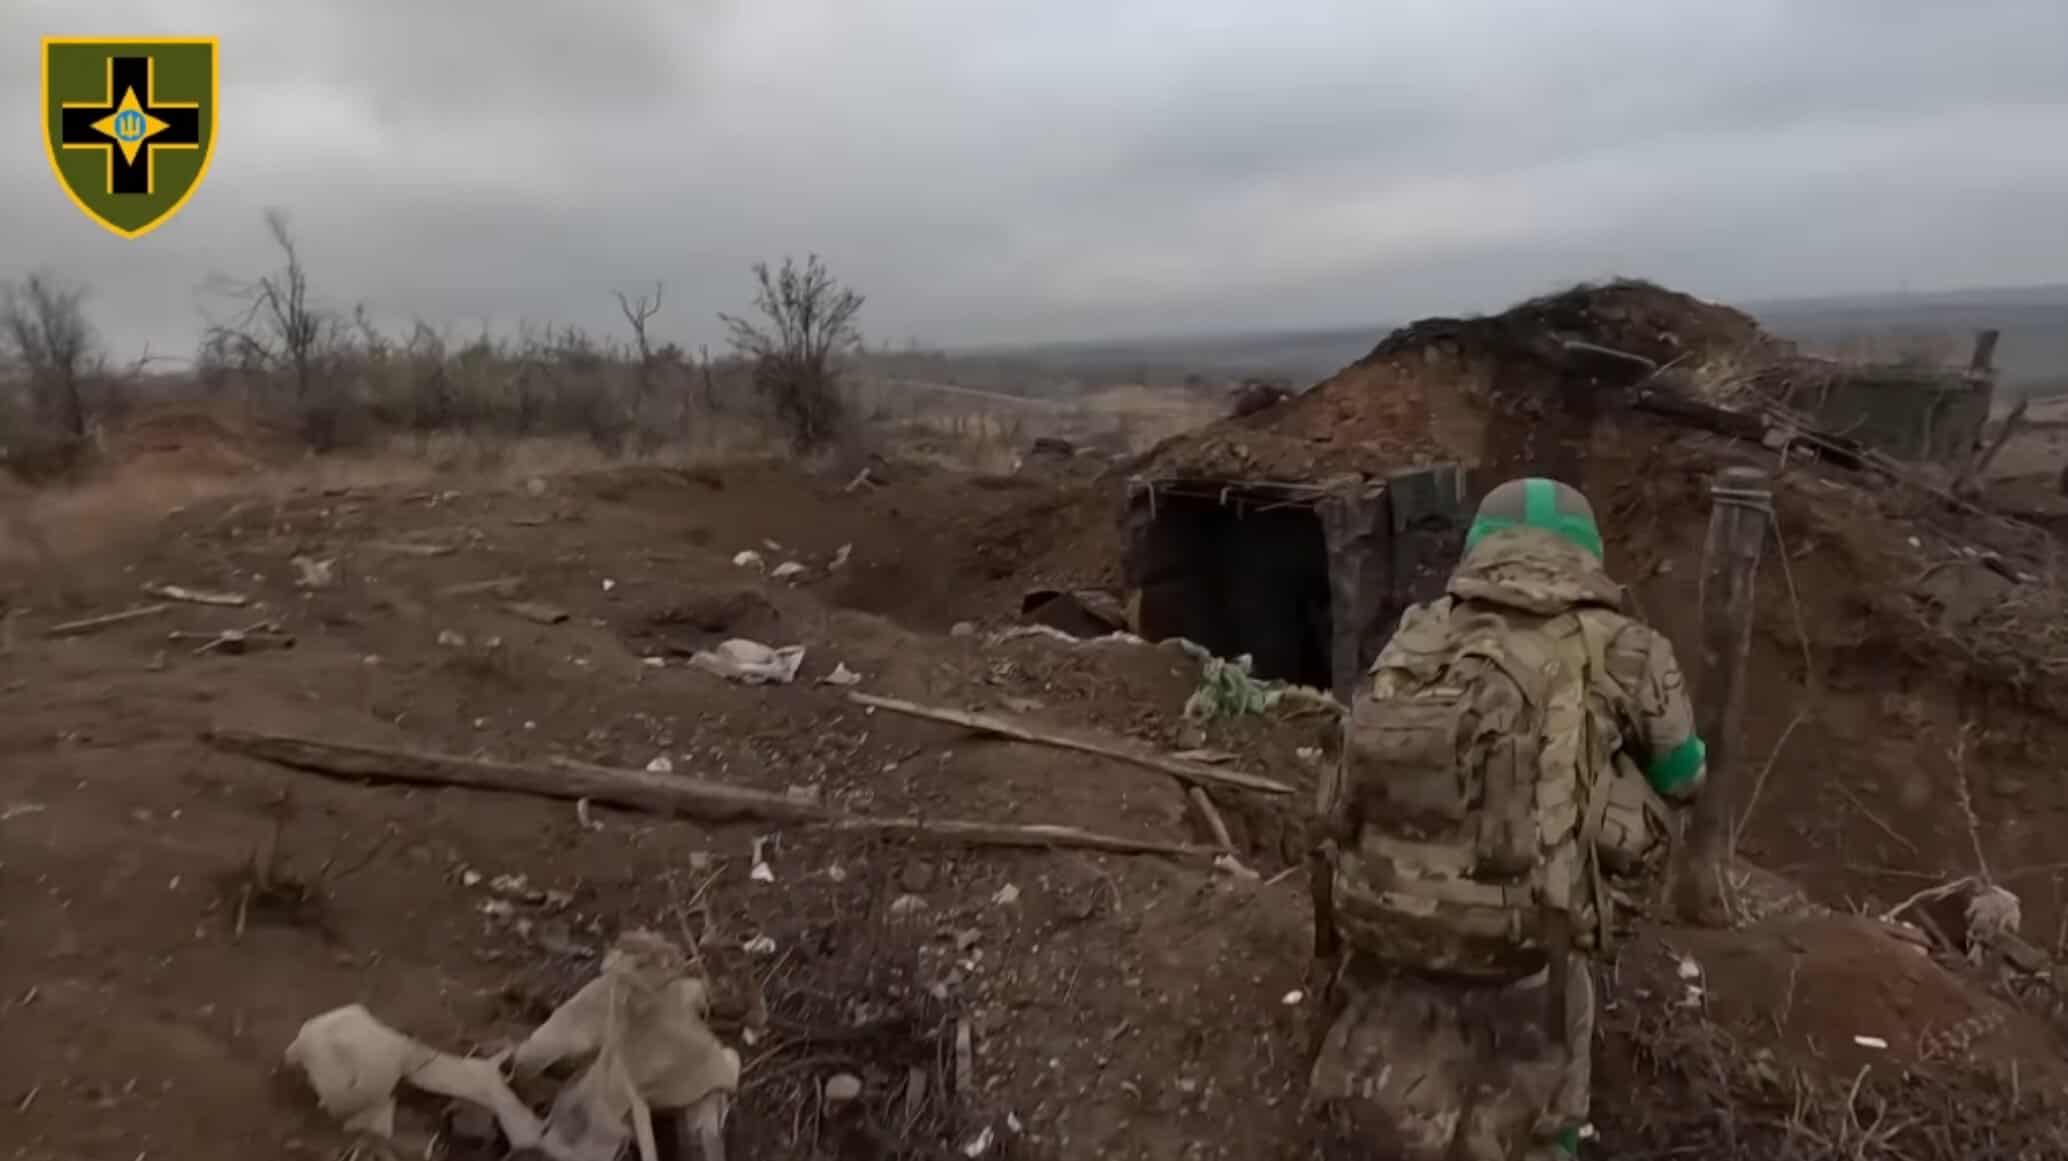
1831 1036
1835 992
1516 387
195 439
1629 315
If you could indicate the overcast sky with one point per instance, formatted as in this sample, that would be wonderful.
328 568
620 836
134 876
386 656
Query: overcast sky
988 171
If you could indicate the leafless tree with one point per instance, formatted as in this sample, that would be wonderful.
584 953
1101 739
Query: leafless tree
44 325
807 323
638 312
281 330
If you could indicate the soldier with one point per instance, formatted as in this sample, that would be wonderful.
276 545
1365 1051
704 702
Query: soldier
1516 748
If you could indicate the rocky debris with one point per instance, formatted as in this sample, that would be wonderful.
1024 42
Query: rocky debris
537 612
1078 612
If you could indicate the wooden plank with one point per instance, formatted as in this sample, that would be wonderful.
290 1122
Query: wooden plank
1187 772
665 795
95 624
1741 507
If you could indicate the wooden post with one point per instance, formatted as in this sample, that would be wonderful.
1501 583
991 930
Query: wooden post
1972 478
1741 506
1354 535
1985 351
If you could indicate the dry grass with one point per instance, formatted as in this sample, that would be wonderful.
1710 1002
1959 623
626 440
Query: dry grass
1697 1091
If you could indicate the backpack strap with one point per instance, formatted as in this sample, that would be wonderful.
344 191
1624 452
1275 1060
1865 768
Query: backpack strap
1595 803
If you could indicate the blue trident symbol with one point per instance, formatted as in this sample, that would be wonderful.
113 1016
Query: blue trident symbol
129 125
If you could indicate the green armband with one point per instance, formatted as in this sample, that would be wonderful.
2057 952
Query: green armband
1673 771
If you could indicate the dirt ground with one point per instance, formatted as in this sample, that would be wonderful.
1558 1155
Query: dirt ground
169 913
1128 1005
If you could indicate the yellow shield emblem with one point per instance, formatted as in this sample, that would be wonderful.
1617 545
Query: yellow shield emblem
129 125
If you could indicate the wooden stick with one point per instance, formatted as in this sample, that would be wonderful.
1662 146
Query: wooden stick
506 587
1188 772
1006 834
92 624
653 794
1215 825
407 548
1971 476
631 789
1741 507
198 596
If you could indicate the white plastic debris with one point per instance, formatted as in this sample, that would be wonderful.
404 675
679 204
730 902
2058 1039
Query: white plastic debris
582 817
660 764
750 662
786 570
354 1062
1308 754
907 905
311 573
762 873
1992 913
1007 895
510 885
1870 1042
450 639
979 1144
1690 969
842 675
1293 998
842 1088
747 559
643 1020
609 584
840 558
759 945
1229 864
470 877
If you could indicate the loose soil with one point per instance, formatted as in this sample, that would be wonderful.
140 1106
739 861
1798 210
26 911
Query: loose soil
170 914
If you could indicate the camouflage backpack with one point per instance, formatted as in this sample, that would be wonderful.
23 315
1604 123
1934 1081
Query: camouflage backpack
1469 777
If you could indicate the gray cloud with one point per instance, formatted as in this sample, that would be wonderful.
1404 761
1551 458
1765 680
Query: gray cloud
991 172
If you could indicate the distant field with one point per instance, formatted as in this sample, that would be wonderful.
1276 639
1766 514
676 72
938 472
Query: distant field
2032 354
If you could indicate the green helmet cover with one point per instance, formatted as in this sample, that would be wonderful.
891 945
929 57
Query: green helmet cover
1540 507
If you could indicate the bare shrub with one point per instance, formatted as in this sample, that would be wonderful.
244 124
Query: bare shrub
807 324
47 332
288 350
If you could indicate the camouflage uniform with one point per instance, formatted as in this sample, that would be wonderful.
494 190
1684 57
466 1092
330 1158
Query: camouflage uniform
1469 888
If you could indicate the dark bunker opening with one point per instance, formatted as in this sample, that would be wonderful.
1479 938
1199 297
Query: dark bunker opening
1239 573
1307 579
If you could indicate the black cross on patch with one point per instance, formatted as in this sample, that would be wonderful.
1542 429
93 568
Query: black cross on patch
130 124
